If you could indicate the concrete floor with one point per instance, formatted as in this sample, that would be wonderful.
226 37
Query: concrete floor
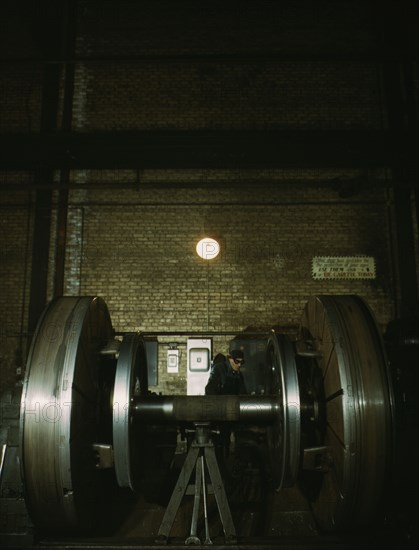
263 518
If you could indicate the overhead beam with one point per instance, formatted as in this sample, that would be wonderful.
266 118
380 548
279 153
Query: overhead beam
210 149
365 56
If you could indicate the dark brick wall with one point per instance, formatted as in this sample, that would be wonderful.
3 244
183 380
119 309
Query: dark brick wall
15 266
161 26
20 89
188 95
284 65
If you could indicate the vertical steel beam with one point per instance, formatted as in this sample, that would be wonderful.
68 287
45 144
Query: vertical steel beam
406 257
68 52
398 39
53 35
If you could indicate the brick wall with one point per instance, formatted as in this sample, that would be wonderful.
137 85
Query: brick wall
15 267
161 26
20 90
139 254
163 75
187 95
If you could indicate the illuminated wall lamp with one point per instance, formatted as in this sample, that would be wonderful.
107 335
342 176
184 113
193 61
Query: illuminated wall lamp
208 248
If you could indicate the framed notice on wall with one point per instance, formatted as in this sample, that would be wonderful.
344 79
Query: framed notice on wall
343 267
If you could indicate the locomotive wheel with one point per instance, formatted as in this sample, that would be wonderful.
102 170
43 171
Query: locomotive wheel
358 410
130 381
60 414
283 438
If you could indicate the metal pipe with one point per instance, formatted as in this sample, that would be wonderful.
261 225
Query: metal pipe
2 459
206 333
260 410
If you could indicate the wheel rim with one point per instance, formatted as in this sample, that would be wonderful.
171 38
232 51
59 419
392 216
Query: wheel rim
130 381
59 413
283 438
359 409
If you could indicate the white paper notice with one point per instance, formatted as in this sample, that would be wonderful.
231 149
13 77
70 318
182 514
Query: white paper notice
343 267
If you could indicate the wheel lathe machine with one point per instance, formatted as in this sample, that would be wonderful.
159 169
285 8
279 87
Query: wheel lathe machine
324 418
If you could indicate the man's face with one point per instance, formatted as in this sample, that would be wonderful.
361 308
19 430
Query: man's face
236 363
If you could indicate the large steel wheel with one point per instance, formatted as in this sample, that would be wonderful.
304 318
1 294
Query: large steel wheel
283 437
358 411
60 417
131 380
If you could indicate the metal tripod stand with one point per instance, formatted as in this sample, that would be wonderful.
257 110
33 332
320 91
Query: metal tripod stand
201 457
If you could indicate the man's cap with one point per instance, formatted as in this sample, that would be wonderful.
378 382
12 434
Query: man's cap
237 354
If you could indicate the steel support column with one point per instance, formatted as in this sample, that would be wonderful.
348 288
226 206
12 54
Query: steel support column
399 37
55 33
69 19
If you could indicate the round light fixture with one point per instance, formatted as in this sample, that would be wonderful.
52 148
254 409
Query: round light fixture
208 248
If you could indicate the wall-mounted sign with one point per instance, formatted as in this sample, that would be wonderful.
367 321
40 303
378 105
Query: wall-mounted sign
173 361
343 267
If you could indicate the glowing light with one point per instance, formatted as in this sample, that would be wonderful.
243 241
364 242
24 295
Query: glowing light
208 248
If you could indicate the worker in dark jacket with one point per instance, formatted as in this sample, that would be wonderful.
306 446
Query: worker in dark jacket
225 377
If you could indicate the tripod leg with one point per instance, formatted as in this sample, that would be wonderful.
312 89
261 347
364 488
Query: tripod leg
193 537
204 495
177 495
220 496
